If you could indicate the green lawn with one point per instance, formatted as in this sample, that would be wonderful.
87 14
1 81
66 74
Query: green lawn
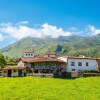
34 88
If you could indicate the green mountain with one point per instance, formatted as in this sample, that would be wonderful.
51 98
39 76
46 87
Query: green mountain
63 45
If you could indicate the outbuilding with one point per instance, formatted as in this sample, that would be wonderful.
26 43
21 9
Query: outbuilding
13 71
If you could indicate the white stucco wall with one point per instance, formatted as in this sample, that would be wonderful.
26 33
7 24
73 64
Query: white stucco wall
5 72
14 73
52 56
63 58
92 64
28 55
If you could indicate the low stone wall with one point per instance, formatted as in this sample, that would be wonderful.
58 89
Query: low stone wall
91 74
42 75
74 74
83 74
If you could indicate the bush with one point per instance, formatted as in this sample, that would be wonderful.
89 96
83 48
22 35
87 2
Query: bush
56 75
91 74
43 75
63 74
68 74
90 71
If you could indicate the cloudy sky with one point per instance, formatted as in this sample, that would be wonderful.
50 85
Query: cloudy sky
39 18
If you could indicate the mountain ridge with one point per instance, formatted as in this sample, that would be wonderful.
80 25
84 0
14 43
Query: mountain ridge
63 45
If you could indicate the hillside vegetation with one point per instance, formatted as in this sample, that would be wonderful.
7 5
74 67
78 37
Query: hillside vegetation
63 45
32 88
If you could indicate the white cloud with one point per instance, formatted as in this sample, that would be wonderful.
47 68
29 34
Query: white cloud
1 37
23 22
5 24
53 31
73 29
93 30
20 31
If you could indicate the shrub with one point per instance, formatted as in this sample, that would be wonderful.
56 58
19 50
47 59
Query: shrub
56 75
91 74
63 74
68 74
43 75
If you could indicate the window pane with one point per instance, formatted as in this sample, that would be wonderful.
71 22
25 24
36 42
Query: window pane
87 64
5 71
79 63
72 64
73 69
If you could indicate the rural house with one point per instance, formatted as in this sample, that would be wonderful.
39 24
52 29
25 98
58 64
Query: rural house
81 63
44 64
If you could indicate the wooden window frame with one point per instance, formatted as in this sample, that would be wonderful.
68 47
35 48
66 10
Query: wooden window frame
79 63
72 63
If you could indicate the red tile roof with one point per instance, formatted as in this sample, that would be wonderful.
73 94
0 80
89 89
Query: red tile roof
41 59
29 51
50 53
77 57
14 68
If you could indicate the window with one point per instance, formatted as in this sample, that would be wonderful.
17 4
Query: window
73 69
87 64
5 71
28 54
31 54
72 63
79 63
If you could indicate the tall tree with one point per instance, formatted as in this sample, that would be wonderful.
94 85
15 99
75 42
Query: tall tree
2 61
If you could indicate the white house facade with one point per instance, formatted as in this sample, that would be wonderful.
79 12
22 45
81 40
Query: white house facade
29 53
80 63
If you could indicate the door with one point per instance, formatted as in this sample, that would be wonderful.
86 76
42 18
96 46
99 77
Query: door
20 73
9 73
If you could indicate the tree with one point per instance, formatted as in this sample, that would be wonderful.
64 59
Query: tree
2 61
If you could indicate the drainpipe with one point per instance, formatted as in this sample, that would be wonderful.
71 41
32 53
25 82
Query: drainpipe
97 65
67 65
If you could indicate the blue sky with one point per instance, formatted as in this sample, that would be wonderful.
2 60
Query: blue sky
38 18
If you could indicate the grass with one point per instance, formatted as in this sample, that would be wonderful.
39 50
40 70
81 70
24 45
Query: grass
34 88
